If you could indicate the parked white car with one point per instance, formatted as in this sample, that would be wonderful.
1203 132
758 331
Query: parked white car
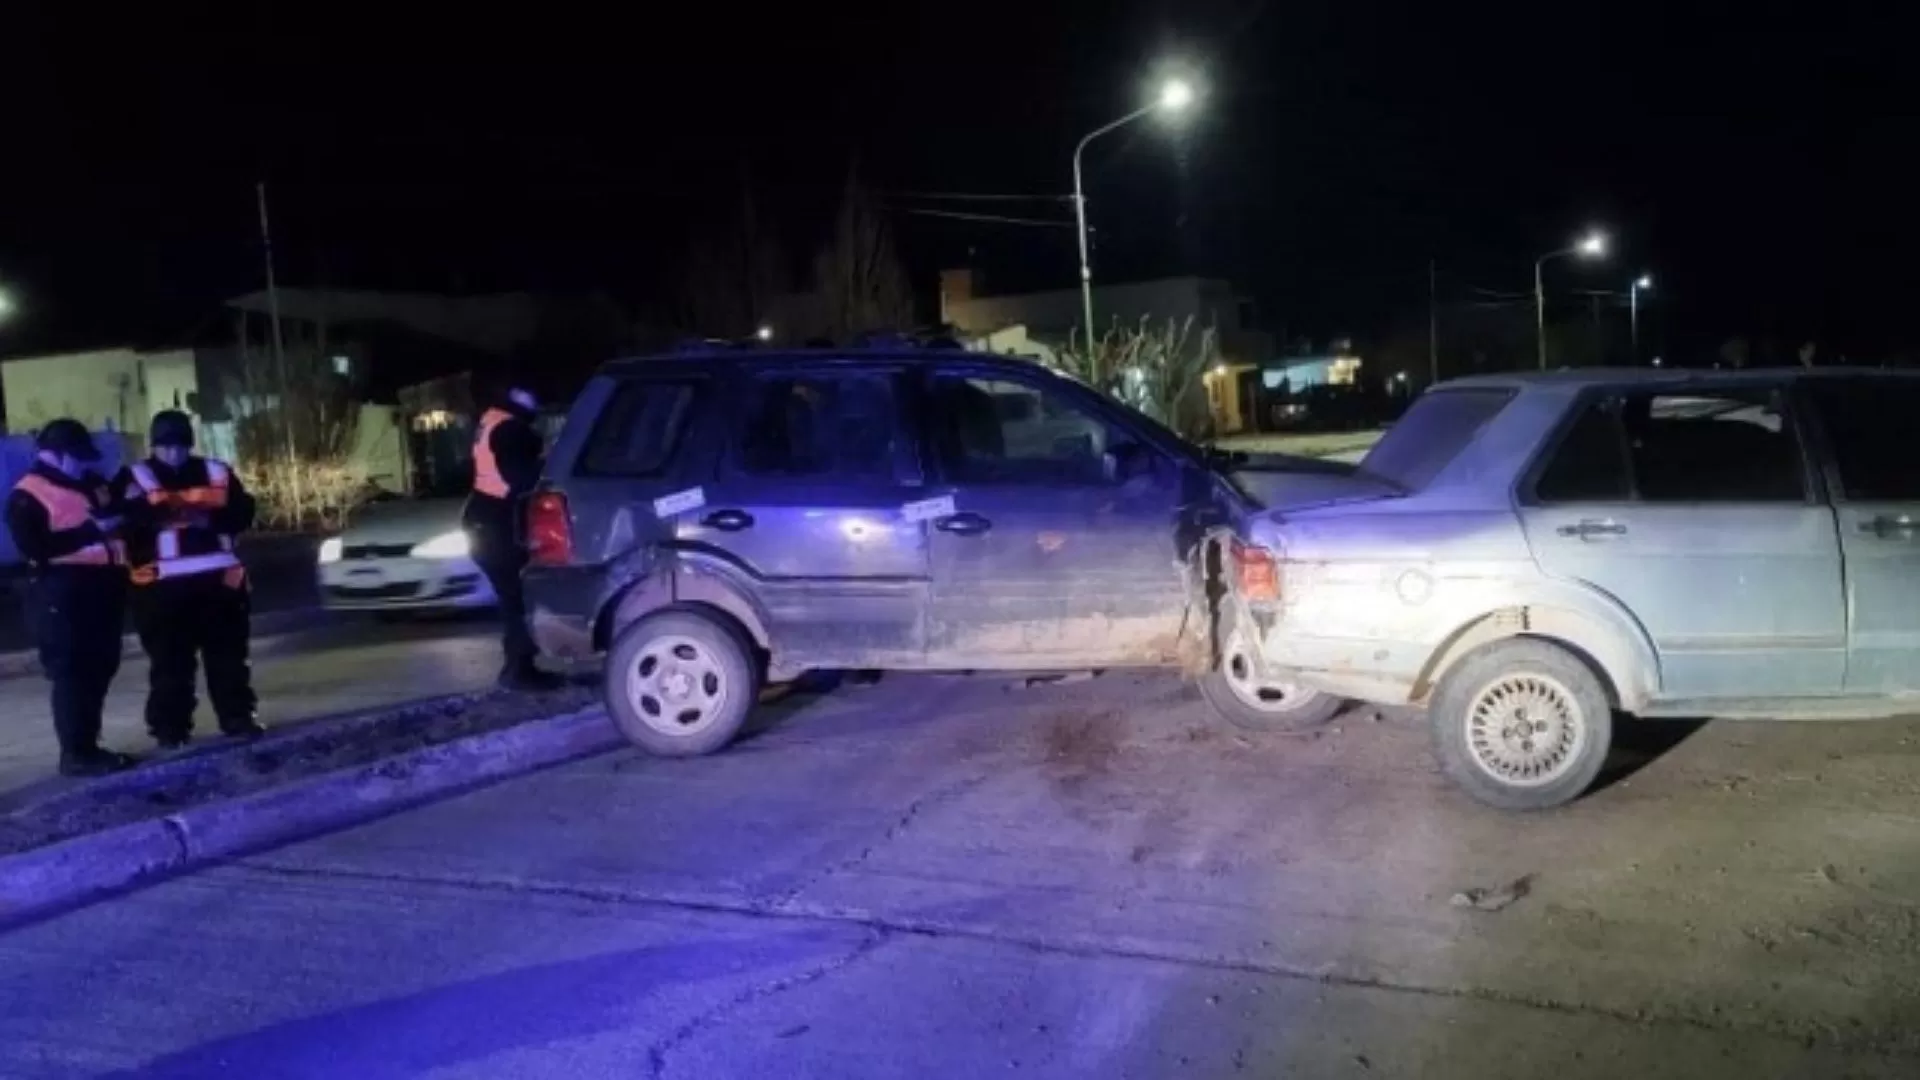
402 555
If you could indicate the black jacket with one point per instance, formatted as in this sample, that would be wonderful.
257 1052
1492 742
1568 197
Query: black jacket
33 532
144 520
520 454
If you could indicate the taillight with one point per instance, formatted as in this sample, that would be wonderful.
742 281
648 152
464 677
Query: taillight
549 530
1256 572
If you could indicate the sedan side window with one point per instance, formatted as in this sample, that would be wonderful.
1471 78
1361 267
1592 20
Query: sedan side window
1731 447
994 431
1590 464
1869 425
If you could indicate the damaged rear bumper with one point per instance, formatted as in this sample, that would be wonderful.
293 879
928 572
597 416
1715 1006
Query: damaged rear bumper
562 602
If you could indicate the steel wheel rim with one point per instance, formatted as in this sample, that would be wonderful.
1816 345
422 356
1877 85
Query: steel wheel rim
1237 665
1526 729
677 686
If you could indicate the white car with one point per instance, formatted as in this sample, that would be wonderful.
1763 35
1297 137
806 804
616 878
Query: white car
402 555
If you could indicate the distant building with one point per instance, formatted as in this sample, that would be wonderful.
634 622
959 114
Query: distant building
1039 324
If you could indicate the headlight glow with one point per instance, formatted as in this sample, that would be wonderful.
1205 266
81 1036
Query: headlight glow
330 549
452 545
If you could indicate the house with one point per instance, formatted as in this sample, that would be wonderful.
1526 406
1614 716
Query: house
1039 324
120 389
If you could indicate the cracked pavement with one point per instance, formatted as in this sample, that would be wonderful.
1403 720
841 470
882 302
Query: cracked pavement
946 878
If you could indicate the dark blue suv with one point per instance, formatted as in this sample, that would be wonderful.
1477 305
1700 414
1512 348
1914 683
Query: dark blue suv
717 519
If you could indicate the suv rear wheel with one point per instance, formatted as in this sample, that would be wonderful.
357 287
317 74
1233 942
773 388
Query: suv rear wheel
1521 724
680 684
1240 694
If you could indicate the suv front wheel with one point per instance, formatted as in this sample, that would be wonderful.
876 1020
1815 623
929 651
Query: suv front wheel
1521 724
1243 697
680 684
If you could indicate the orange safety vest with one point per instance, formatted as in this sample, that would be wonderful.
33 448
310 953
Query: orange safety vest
180 502
487 479
68 510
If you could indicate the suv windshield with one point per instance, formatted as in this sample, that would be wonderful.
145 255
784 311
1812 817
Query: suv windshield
1431 434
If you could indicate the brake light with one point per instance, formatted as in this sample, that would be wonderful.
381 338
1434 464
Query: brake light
1256 572
549 530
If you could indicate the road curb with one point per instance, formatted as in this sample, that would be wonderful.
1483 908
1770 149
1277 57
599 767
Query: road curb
76 871
269 630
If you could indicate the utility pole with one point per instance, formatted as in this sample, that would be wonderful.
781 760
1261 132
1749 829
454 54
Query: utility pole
279 350
1599 338
1433 322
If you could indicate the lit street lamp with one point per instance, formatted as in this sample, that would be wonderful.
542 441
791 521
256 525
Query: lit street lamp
6 305
1640 285
1591 246
1175 96
765 333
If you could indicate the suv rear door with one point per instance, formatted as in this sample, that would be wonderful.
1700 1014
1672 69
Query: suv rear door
642 435
1874 477
1695 509
1041 555
807 502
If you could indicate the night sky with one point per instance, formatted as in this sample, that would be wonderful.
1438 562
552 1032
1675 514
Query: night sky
1759 160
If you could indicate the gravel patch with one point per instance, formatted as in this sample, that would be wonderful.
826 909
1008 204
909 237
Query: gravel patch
169 786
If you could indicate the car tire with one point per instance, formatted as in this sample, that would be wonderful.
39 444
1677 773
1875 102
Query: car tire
1521 724
681 684
1274 706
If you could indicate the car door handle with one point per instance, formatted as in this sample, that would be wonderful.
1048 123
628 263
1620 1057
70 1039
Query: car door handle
1890 525
1589 529
728 520
963 524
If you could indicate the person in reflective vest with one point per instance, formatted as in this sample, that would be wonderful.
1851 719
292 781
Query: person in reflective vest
507 457
66 524
191 600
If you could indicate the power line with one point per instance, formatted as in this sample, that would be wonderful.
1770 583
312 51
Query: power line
996 219
974 196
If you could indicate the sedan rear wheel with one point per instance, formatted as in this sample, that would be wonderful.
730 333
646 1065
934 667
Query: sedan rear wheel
1522 724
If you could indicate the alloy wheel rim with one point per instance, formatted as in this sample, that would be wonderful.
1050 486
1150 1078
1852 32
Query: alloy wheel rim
1526 729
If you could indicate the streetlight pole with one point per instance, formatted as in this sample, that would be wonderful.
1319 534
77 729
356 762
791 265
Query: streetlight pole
1174 96
1593 246
1644 281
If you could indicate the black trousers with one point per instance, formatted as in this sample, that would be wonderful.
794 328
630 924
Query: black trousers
77 615
499 555
200 618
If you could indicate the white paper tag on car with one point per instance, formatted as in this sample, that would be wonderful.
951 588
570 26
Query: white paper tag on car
928 509
679 502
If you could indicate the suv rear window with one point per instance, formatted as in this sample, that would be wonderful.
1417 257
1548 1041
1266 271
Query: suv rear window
639 429
1431 434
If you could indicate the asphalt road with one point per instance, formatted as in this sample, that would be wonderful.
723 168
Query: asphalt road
946 878
354 665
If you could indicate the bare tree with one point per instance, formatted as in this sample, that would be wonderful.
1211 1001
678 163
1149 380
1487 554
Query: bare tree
734 274
1158 369
862 284
296 425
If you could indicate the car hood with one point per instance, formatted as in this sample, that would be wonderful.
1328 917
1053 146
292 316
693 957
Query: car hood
403 521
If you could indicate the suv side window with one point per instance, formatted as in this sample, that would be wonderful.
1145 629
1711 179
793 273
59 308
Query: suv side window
1590 463
1868 424
841 424
999 431
639 429
1736 446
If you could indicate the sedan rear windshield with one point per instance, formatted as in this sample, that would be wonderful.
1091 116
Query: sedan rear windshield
1432 433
